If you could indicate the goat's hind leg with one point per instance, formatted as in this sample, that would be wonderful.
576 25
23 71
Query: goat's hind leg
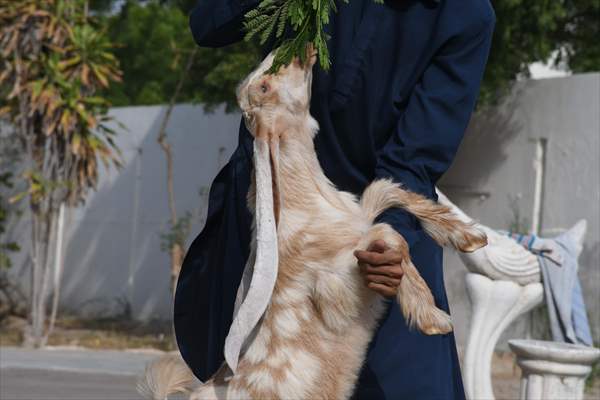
210 391
414 296
218 391
222 386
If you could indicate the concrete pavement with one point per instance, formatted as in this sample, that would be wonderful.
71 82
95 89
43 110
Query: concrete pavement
111 362
71 374
24 384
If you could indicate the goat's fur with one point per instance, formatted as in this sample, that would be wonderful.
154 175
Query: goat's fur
168 374
313 336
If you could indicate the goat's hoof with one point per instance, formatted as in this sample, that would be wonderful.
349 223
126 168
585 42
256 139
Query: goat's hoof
474 240
436 323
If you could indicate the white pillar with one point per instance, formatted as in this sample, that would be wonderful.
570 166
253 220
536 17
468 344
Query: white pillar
495 305
553 370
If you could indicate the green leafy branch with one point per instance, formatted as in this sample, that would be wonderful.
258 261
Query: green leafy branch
292 25
177 233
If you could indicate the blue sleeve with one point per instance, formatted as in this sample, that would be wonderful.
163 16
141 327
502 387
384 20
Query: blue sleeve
217 23
428 133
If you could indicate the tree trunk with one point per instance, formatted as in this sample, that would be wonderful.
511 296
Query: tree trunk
177 254
58 268
32 330
42 238
176 250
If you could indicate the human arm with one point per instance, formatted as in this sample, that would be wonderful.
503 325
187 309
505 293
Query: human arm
429 131
426 137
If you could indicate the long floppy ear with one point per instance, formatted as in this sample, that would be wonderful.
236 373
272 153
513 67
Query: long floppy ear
263 271
267 131
261 128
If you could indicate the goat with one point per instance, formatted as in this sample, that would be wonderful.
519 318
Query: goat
313 336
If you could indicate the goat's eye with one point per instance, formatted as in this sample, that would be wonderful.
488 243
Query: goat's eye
264 88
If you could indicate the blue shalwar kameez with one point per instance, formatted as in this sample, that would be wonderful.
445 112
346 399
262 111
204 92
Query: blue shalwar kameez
396 102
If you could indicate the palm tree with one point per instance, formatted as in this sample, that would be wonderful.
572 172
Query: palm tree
55 63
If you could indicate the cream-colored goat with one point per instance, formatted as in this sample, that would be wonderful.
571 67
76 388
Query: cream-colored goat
312 339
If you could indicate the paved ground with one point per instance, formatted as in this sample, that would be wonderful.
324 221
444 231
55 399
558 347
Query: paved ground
61 385
62 374
77 360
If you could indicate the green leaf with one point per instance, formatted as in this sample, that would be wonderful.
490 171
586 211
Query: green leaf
306 18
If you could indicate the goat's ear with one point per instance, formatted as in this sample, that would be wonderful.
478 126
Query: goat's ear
261 129
267 133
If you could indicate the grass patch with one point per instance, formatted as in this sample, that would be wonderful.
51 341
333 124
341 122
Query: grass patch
100 333
11 337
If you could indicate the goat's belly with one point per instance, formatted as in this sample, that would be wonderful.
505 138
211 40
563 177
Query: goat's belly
316 364
342 357
342 362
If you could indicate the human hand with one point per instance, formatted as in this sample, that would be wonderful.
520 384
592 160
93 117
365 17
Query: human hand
381 267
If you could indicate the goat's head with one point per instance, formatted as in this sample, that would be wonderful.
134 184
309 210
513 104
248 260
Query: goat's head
272 102
276 106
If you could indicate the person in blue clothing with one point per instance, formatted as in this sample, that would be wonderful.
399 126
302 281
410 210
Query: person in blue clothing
402 86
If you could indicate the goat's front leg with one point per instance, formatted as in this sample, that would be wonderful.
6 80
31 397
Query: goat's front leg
414 296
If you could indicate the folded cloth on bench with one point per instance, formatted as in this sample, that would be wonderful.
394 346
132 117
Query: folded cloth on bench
558 258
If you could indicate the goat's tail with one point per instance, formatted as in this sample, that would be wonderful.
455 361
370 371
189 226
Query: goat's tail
437 220
164 376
